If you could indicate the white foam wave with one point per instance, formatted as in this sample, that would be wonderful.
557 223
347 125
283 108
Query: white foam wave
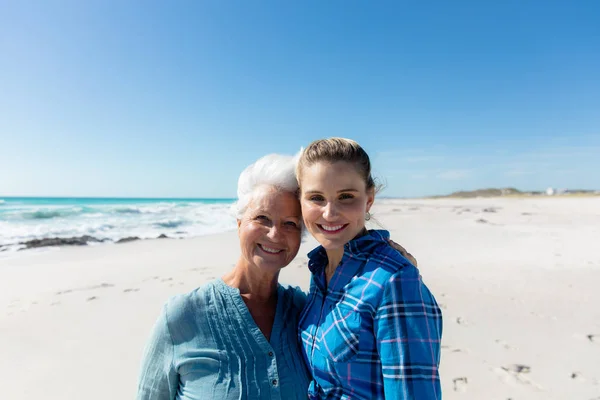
145 221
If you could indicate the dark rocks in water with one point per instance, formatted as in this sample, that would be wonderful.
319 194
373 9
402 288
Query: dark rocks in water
482 221
72 241
489 210
163 236
128 239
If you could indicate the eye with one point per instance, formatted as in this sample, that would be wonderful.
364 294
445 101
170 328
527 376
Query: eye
346 196
291 223
316 197
261 218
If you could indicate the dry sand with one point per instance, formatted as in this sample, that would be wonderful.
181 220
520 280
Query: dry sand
517 279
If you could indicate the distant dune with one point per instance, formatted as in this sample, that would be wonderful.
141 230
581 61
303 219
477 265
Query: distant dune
500 192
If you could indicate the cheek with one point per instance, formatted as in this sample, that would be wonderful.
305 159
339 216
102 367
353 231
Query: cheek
356 207
310 211
250 233
293 240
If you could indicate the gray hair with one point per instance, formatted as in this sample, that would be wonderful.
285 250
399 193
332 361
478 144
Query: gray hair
276 170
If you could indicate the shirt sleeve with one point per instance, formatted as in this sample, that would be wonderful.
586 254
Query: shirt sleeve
158 379
408 330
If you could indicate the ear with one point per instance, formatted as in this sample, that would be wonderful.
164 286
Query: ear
239 222
370 199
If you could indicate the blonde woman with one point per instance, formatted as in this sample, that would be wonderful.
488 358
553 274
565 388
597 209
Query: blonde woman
371 329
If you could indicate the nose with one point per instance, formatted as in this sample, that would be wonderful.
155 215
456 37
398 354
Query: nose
274 234
330 211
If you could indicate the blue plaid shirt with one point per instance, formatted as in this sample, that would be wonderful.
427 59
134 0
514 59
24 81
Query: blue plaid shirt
375 331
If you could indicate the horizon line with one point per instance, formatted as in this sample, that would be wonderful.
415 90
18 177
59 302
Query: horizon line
117 197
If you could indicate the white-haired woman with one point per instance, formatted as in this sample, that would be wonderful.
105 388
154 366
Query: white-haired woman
236 337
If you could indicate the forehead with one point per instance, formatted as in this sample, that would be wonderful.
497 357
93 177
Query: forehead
331 175
270 199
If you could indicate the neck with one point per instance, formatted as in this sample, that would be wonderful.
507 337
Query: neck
334 257
252 282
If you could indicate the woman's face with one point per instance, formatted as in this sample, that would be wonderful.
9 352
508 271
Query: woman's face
334 202
269 230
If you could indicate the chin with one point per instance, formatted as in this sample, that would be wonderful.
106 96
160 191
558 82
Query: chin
270 264
329 244
332 243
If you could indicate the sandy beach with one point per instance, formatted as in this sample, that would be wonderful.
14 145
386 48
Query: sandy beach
517 279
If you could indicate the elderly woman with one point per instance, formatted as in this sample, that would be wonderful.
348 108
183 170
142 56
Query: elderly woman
236 337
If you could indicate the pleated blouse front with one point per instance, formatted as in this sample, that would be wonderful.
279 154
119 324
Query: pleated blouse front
206 345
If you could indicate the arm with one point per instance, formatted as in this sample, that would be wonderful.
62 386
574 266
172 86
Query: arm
158 379
408 330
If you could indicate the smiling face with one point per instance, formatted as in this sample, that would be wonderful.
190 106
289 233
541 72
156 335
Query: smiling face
334 199
269 230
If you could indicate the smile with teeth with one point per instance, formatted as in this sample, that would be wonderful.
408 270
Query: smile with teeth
269 250
332 228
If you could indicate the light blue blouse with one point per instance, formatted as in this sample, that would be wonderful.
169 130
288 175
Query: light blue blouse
205 345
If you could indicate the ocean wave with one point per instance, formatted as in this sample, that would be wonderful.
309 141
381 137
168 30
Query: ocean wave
142 209
49 213
88 212
170 224
43 214
101 228
128 210
111 222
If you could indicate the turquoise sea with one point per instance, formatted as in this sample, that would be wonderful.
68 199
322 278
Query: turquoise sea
23 219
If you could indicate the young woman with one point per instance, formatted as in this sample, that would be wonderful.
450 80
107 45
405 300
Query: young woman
370 329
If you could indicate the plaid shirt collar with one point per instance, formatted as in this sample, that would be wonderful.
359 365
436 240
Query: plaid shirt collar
356 248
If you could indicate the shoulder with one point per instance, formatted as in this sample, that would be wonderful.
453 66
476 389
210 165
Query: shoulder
387 258
182 308
392 269
293 296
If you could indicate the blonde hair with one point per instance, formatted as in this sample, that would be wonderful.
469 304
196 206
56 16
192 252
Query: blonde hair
337 149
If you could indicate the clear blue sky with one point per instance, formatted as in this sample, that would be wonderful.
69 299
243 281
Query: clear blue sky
174 99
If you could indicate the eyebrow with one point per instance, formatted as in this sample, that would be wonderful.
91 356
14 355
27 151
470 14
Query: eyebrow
268 214
339 191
